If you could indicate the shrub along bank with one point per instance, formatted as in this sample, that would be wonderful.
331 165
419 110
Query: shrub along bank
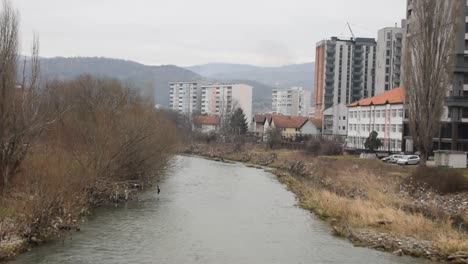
373 204
103 145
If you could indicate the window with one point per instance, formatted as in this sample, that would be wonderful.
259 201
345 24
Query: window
384 113
400 113
394 113
368 114
344 117
367 127
377 113
394 128
400 128
344 128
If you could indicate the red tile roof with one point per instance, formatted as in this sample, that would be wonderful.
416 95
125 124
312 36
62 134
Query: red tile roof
282 121
394 96
261 118
207 120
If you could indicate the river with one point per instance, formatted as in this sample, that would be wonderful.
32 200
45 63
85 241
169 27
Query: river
208 212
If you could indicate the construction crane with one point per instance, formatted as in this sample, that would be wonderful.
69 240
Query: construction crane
352 33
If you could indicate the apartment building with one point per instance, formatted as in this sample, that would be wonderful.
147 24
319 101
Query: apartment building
222 99
184 97
454 124
294 101
344 73
389 52
383 114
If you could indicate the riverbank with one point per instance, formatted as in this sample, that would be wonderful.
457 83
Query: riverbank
368 202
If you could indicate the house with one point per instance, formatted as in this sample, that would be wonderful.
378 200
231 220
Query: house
206 124
384 114
292 126
258 123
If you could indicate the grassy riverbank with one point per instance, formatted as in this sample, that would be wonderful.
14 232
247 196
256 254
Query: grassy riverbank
104 145
371 203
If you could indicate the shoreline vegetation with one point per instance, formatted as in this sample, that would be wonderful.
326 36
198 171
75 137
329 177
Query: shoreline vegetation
105 145
373 204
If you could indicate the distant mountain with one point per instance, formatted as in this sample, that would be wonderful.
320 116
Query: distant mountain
150 80
279 77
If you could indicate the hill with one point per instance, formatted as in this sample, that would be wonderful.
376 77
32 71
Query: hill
150 80
279 77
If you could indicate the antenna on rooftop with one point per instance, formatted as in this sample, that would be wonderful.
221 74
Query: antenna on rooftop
352 33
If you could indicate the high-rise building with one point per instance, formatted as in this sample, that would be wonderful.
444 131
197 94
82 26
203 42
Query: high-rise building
294 101
389 51
454 128
184 97
222 99
344 73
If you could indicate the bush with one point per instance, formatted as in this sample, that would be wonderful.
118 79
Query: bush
443 181
325 146
107 141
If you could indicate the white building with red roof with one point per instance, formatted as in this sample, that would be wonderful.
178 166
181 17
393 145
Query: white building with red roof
383 114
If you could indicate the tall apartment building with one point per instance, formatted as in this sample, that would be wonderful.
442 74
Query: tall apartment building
389 51
221 99
344 73
454 130
294 101
184 97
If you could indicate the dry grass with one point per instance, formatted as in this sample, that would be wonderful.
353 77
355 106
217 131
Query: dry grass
370 213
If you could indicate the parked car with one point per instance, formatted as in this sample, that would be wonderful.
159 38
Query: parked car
392 158
409 160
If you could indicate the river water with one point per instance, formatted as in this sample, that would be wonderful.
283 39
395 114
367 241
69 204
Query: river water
210 213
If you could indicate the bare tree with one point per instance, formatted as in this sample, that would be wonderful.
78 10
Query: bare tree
427 68
20 114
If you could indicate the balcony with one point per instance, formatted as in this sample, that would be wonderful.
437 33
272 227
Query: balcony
330 74
457 101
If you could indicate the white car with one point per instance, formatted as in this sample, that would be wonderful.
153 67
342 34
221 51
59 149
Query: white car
409 160
392 158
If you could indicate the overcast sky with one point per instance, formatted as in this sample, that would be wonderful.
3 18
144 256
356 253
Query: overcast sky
189 32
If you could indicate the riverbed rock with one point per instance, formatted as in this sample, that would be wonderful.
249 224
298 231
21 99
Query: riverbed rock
398 252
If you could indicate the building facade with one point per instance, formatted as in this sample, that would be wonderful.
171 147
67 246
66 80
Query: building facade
389 51
294 101
223 99
454 128
184 97
345 71
291 127
335 120
383 114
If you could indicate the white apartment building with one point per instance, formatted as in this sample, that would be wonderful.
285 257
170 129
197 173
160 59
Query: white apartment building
221 99
389 53
383 114
294 101
335 120
184 97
